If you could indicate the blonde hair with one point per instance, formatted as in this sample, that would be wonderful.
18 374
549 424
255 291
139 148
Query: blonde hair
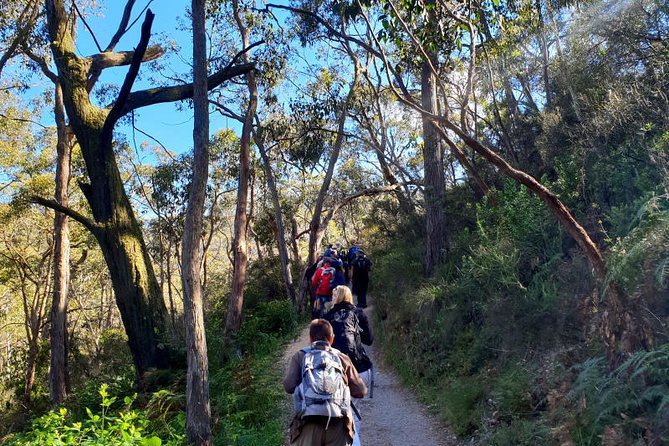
342 293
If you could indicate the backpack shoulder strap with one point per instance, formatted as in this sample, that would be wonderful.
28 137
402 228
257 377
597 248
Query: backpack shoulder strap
305 351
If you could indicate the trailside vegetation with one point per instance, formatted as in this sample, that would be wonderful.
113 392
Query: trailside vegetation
508 340
503 163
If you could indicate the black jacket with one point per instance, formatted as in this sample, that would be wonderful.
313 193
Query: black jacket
348 339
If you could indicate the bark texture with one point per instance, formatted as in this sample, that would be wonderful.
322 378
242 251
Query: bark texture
58 371
278 219
198 412
433 168
115 226
240 241
116 229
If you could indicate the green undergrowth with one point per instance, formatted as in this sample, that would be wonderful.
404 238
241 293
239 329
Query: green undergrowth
246 395
246 392
113 423
499 341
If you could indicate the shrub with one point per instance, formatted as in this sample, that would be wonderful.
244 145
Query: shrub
105 428
247 398
511 392
462 403
520 432
633 399
266 325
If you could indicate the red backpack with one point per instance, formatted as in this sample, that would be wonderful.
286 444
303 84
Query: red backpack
325 283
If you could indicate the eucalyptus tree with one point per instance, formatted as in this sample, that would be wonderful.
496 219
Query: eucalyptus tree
198 411
26 249
620 329
278 213
114 223
58 371
25 255
390 132
259 96
20 37
240 239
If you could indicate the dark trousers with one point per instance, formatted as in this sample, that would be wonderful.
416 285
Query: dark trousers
360 285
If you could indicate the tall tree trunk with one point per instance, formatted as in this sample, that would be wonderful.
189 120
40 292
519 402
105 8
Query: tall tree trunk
58 371
240 242
278 218
117 230
545 56
378 139
316 230
434 173
119 234
31 365
170 288
198 412
563 65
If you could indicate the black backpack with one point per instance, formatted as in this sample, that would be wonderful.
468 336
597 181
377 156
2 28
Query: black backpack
346 327
362 263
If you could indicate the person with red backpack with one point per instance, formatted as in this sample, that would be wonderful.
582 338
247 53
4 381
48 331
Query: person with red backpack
323 282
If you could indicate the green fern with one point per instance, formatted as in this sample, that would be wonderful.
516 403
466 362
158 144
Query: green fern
634 396
662 272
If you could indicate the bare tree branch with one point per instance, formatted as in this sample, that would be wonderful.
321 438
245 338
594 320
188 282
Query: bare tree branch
44 66
74 215
137 57
90 31
23 120
122 25
364 193
153 96
27 19
104 60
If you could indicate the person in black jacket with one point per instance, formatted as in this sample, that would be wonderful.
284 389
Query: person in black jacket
351 328
361 266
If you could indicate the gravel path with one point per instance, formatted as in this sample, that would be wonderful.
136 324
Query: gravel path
392 417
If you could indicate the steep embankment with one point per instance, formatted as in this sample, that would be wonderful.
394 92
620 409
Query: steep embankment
392 417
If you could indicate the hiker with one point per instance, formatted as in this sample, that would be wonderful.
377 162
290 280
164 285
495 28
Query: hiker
361 266
340 276
323 281
322 417
353 250
342 255
351 329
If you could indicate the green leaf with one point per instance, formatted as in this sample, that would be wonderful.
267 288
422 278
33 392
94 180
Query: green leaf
153 441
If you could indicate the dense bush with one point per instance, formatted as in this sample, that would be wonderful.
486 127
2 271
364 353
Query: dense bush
105 427
474 338
631 402
246 392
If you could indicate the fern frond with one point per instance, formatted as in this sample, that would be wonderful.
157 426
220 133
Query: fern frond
662 272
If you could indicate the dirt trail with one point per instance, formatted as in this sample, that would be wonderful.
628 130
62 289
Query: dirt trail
392 417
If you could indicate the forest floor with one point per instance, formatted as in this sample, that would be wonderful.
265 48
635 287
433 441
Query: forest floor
393 417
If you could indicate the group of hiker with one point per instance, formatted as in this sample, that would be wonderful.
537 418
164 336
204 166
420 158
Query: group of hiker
338 267
335 368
